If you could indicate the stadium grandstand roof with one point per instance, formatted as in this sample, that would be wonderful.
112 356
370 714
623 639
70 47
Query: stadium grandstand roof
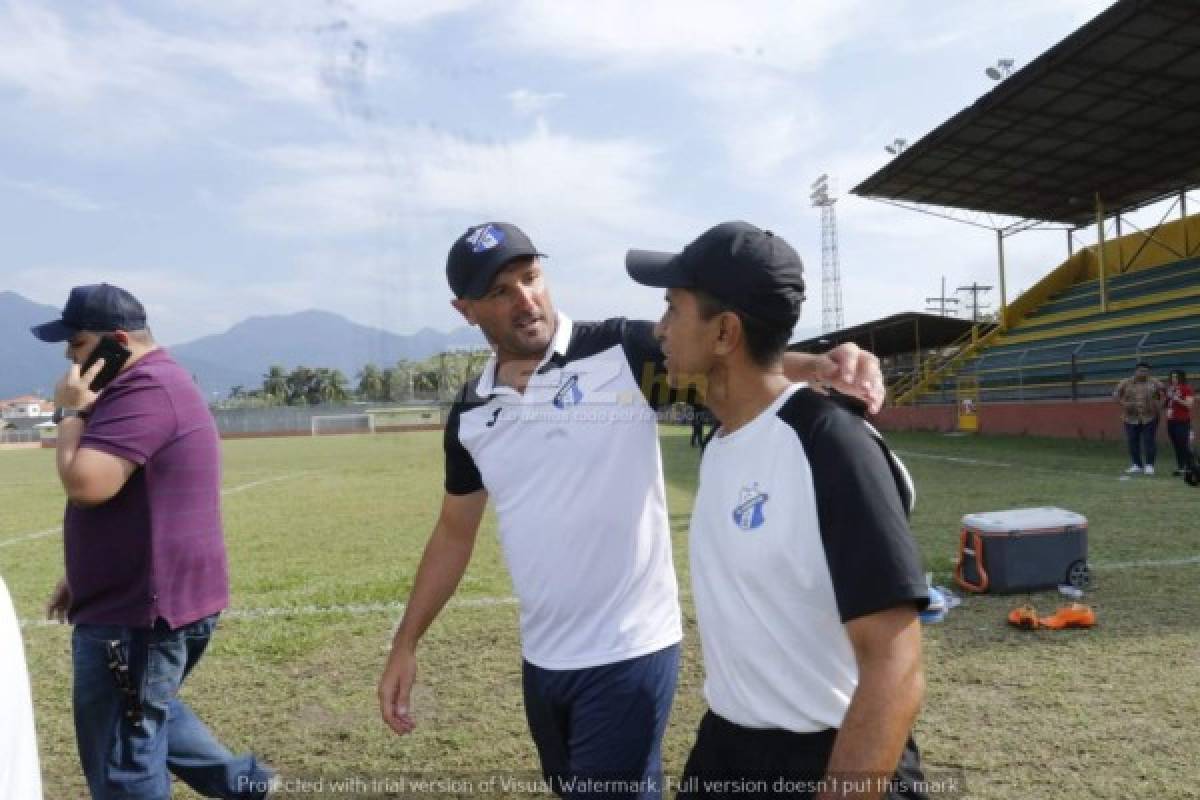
1113 109
895 335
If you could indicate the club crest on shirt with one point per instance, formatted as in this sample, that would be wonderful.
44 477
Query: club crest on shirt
569 394
485 237
748 513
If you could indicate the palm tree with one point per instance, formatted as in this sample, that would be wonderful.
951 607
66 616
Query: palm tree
371 384
331 385
400 380
300 387
275 386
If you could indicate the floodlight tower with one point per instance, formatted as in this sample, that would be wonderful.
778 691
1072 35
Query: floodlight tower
822 197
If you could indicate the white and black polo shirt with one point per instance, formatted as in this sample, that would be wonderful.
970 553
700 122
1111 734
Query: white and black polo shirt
800 525
574 471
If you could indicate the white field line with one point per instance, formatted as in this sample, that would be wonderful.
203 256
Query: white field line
29 537
1167 562
976 462
253 484
352 609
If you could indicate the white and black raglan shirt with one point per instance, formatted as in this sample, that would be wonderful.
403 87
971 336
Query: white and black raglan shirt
574 471
800 525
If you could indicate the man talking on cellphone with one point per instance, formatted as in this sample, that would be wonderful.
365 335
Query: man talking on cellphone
146 572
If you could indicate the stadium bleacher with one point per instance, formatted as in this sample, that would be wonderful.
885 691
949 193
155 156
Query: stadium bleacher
1067 348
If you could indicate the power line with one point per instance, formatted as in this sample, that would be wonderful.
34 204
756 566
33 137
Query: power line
941 302
976 307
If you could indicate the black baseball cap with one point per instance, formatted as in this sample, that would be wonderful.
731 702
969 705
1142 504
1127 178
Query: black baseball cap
750 269
481 252
98 307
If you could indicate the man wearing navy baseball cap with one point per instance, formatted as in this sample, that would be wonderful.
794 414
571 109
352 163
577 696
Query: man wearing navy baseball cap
99 308
560 432
146 574
806 578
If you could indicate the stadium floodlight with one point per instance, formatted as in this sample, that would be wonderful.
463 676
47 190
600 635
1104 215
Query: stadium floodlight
1001 70
896 147
820 191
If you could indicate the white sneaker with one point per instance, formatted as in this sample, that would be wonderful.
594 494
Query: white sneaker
1149 469
1134 470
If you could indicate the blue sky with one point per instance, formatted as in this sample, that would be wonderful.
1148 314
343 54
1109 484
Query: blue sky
224 158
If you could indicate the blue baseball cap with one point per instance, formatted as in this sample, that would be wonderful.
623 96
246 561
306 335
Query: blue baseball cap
99 307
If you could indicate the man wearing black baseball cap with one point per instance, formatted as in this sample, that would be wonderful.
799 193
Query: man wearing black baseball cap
806 579
146 575
559 431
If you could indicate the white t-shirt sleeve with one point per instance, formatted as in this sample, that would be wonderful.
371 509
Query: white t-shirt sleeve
20 776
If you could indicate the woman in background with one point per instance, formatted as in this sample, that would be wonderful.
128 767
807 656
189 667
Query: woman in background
1179 417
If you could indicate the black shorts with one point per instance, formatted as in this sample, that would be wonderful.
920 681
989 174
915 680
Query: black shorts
730 761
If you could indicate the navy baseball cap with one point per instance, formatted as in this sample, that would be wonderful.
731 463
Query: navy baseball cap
749 269
481 252
99 307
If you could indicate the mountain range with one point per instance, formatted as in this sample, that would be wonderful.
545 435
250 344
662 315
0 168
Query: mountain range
238 357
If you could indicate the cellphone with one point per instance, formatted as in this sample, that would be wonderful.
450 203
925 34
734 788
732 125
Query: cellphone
114 354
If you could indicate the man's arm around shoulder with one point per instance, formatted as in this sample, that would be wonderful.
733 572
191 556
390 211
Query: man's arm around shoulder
891 685
846 368
446 557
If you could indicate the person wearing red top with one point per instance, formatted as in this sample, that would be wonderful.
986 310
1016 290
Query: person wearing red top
1179 416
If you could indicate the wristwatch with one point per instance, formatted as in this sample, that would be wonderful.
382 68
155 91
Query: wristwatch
62 413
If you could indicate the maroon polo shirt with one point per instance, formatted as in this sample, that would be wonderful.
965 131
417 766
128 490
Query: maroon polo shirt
155 550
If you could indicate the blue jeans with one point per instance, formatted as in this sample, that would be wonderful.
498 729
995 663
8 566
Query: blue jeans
1177 432
599 730
128 759
1141 439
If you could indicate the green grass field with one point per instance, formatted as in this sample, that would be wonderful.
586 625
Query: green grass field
324 536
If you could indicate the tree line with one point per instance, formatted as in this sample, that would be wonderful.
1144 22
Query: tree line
435 378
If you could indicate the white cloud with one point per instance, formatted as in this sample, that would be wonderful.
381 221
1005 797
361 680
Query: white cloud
64 196
126 81
360 225
746 65
630 34
763 120
333 191
528 103
295 15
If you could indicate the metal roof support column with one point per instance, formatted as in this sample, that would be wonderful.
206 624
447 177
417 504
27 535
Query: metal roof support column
1100 253
1120 248
1183 215
918 367
1002 318
1070 243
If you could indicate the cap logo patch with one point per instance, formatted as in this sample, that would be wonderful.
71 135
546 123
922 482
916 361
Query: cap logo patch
485 237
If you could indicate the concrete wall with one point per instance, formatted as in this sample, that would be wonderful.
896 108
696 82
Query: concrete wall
1063 419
